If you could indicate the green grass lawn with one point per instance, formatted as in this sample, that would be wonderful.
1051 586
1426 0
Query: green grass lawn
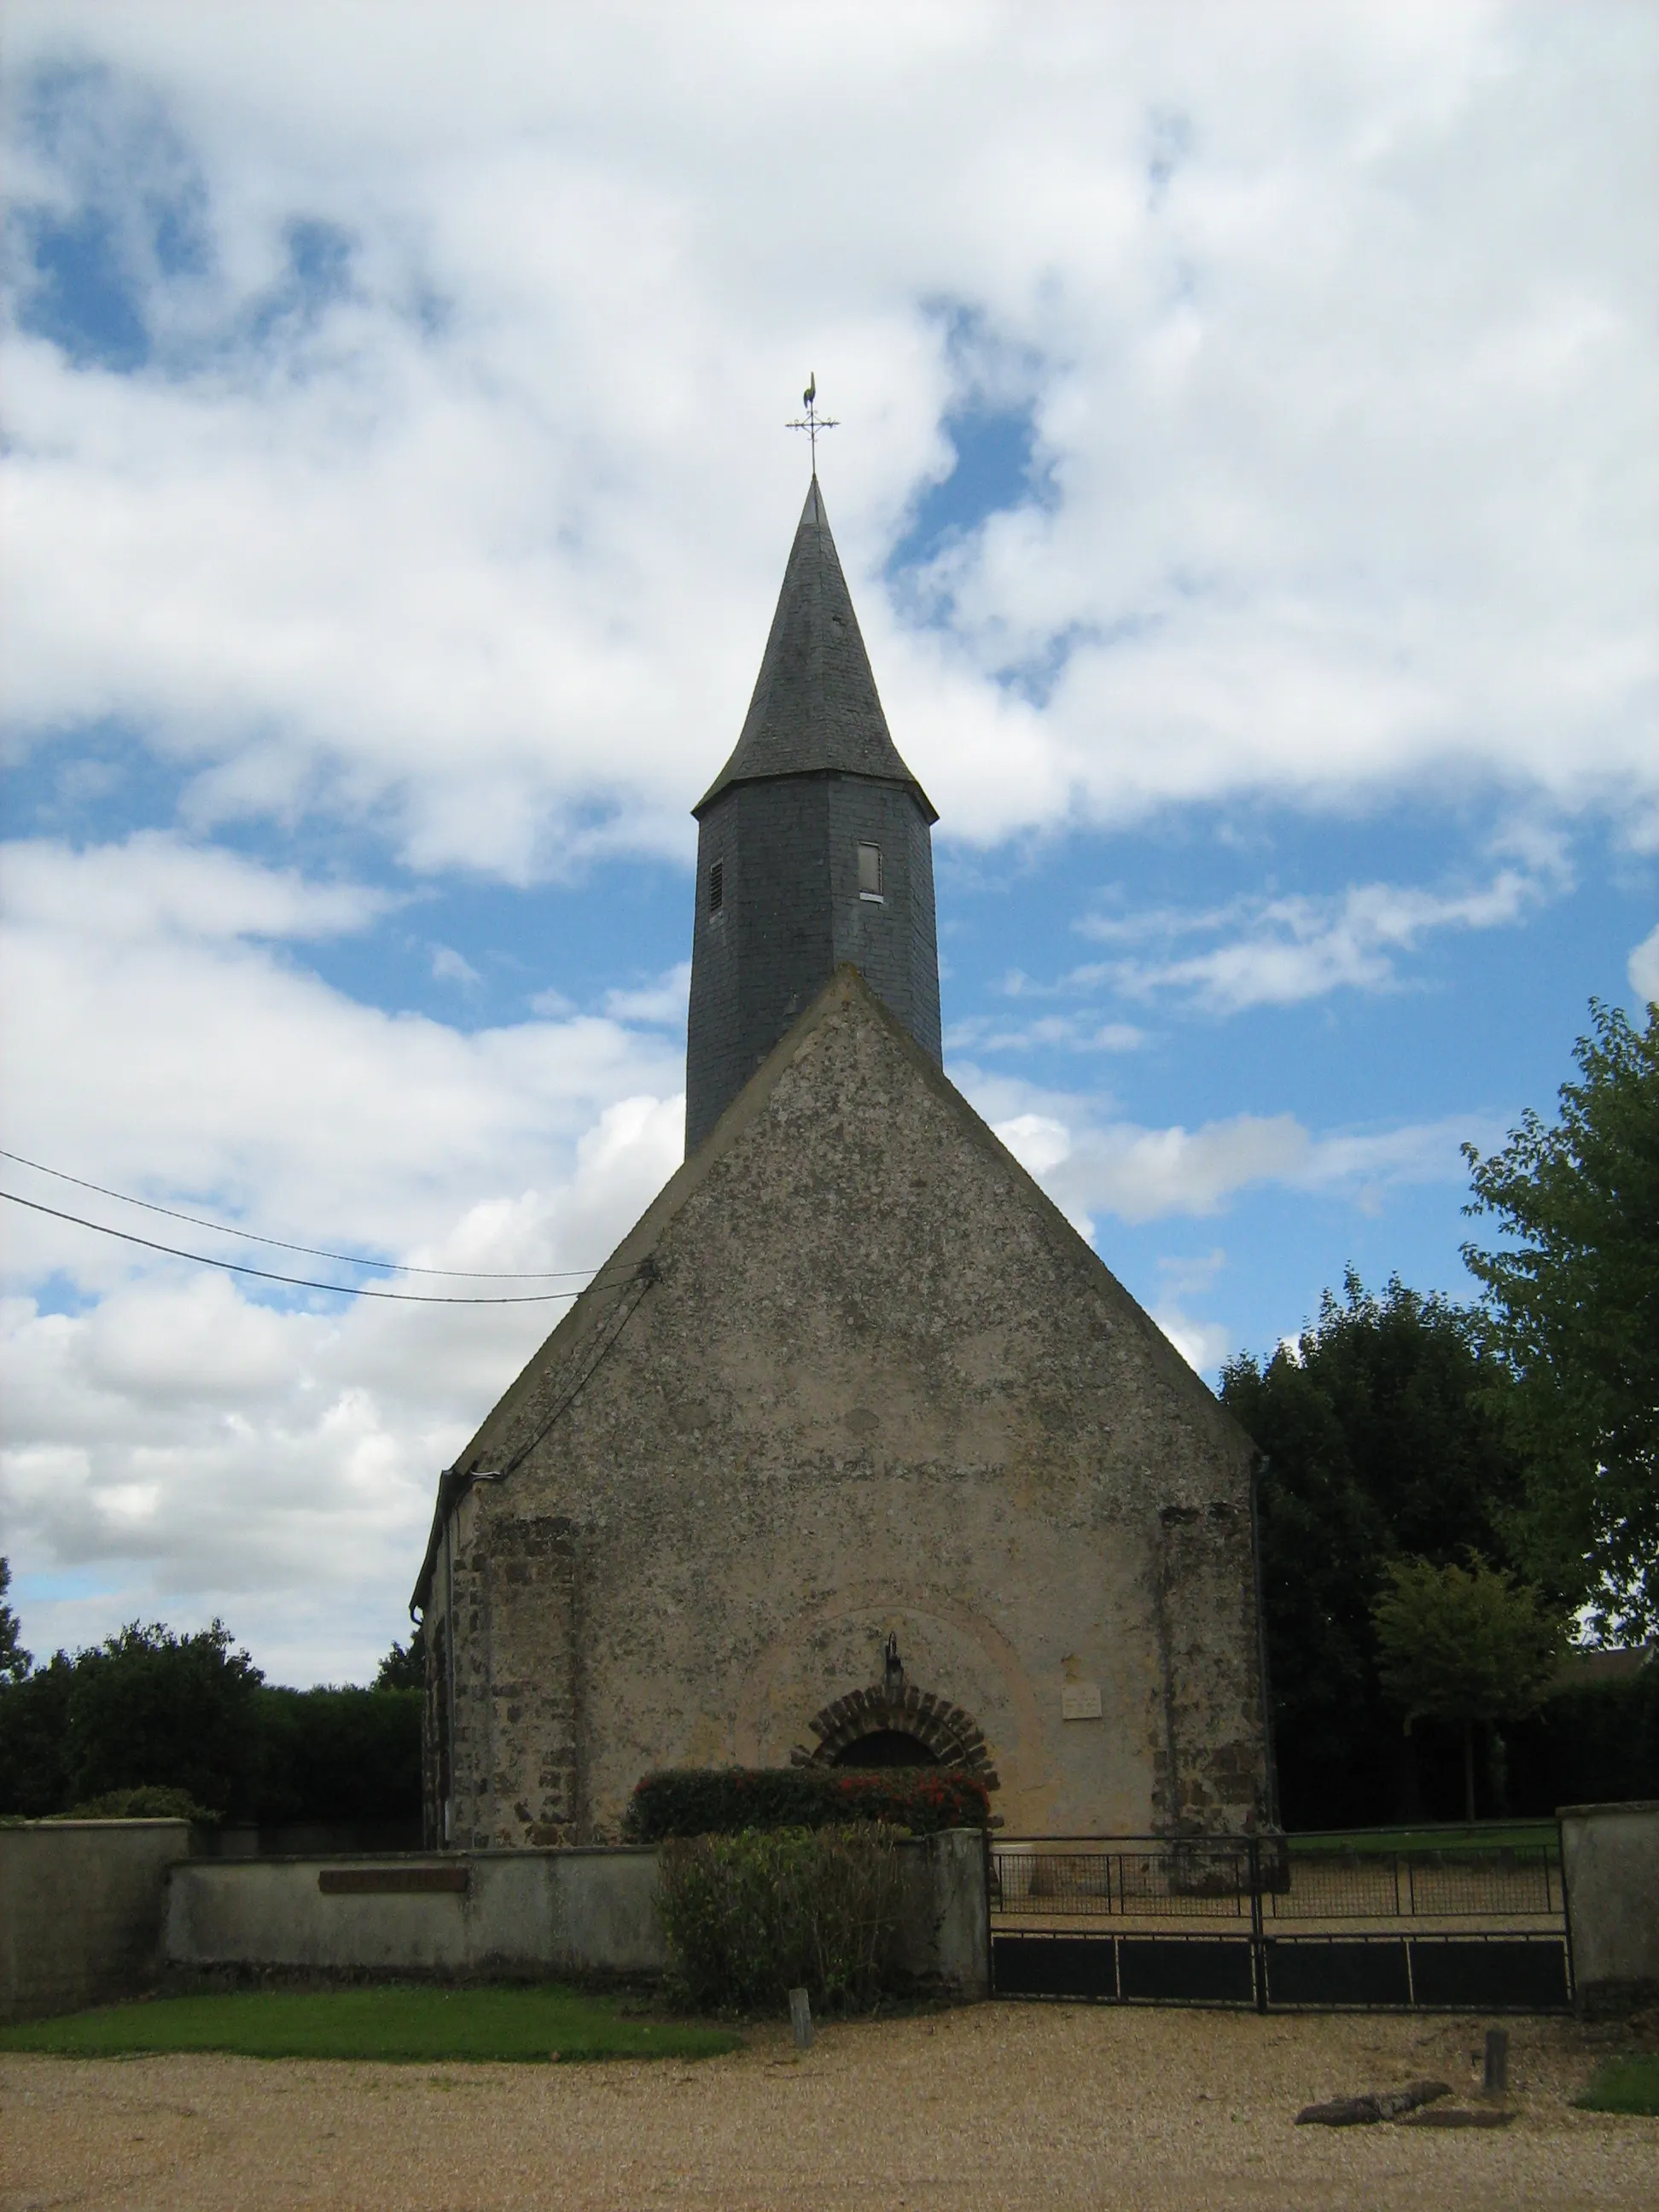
1457 1839
408 2022
1625 2085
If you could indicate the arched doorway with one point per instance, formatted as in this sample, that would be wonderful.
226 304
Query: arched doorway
886 1747
894 1724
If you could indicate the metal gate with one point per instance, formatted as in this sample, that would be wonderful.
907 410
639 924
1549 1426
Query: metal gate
1280 1924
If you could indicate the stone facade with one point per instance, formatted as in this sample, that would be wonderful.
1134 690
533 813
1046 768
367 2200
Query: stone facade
852 1378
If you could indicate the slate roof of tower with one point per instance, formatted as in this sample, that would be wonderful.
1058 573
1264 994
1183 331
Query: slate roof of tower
815 705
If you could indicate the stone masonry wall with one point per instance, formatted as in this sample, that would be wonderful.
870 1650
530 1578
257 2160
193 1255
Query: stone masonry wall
511 1705
870 1382
1210 1758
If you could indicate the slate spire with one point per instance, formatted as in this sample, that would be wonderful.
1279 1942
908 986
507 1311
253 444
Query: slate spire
815 705
814 845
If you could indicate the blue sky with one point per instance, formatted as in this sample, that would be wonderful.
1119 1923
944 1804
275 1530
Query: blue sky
1245 479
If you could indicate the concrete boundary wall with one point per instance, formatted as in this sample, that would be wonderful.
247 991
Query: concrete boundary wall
590 1913
947 1939
472 1916
81 1907
1610 1867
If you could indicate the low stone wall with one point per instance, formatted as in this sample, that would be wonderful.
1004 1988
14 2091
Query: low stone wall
469 1915
1610 1865
81 1907
516 1914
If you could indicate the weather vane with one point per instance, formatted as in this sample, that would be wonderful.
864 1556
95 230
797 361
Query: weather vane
811 421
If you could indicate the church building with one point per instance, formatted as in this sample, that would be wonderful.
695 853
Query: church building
853 1452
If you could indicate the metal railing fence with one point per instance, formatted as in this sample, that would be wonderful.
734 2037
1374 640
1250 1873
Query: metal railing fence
1266 1879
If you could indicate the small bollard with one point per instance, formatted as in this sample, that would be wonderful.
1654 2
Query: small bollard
1496 2081
800 2016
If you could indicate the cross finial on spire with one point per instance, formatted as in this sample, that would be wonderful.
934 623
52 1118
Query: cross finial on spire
811 421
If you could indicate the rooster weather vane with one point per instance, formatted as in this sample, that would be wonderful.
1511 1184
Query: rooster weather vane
811 421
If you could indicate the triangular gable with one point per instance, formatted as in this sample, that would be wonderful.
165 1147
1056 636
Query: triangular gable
558 1373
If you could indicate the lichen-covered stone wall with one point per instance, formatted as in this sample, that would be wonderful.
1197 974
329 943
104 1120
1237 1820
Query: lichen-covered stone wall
852 1376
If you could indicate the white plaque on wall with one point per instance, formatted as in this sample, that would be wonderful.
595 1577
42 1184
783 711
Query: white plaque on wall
1080 1701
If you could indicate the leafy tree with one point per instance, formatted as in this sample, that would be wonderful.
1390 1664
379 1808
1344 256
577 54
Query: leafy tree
33 1727
150 1716
404 1668
14 1662
1467 1644
1574 1307
1381 1442
149 1708
1592 1743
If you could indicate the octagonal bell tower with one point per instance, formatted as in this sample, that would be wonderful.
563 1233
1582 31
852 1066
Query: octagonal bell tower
814 847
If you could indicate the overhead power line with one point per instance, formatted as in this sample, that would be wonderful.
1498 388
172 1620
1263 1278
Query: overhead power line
302 1282
280 1244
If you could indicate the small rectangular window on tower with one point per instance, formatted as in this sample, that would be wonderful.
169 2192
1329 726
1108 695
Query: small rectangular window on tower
870 871
717 887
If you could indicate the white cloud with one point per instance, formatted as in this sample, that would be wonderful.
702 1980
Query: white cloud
1279 952
209 1444
1190 1275
1644 968
1069 1032
1202 1343
154 884
663 1001
1147 1174
1091 1165
1039 1142
449 966
238 1073
1344 410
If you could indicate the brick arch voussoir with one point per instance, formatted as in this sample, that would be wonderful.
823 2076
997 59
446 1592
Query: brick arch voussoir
954 1737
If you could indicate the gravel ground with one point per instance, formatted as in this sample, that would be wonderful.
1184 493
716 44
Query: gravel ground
995 2105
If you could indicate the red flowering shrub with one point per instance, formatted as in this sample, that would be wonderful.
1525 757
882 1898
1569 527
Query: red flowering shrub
714 1801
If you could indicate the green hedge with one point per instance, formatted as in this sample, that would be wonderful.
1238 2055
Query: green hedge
728 1801
141 1805
749 1917
150 1710
335 1755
